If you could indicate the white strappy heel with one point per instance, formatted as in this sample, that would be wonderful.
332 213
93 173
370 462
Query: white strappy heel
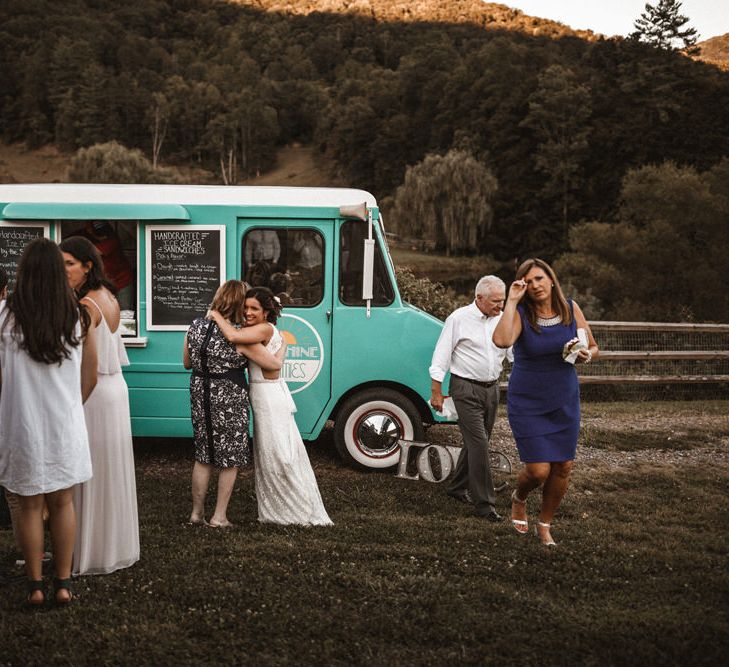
521 526
548 543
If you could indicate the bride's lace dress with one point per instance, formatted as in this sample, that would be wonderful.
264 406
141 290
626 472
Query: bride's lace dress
286 488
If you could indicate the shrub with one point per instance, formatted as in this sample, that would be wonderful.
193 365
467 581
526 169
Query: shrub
114 163
431 297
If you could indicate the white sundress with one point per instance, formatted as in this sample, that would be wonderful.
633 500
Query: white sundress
43 442
107 537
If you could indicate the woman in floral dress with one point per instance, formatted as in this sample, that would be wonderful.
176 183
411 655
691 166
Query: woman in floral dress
219 401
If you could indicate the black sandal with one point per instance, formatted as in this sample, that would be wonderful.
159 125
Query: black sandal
61 585
31 587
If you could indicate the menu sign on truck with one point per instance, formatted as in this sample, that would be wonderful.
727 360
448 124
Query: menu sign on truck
185 267
14 236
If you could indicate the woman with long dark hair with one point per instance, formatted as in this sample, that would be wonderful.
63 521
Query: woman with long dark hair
286 488
549 334
47 369
107 538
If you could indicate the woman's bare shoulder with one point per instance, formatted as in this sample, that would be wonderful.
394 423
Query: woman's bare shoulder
577 310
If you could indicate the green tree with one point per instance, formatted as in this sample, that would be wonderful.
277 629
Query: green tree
220 136
559 111
32 108
347 134
667 252
193 105
92 106
258 130
662 26
69 59
447 199
65 129
243 134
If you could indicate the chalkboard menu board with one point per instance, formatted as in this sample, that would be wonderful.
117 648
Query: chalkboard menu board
185 267
14 236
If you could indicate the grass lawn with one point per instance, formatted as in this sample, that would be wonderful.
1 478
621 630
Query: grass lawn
461 273
407 576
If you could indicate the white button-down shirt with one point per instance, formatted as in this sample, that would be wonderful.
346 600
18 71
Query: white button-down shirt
466 348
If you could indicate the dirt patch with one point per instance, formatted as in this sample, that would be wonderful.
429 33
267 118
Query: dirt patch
617 435
19 164
297 166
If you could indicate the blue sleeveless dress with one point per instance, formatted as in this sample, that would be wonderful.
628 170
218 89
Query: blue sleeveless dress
543 400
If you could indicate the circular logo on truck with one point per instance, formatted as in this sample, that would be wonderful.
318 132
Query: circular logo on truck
304 355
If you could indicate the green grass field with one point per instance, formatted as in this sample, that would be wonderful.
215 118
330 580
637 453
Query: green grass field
461 273
407 576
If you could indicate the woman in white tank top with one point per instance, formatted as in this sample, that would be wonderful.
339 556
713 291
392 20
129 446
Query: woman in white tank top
107 538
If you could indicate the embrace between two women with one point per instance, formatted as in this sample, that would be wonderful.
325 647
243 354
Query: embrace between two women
240 334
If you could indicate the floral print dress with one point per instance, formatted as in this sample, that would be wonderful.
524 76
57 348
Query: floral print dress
218 397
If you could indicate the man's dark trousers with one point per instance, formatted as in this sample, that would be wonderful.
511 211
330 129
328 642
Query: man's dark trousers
476 406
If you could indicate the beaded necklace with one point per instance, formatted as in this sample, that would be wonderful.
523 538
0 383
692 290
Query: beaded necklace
549 321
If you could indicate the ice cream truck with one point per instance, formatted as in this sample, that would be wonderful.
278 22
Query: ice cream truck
357 353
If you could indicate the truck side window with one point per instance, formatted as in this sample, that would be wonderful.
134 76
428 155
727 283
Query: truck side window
351 262
116 241
288 260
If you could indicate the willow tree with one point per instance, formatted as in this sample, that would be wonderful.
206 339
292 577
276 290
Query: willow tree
447 199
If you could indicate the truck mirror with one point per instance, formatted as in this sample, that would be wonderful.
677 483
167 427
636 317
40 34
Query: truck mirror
358 211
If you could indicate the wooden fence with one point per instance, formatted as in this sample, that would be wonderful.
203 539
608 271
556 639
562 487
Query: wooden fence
657 353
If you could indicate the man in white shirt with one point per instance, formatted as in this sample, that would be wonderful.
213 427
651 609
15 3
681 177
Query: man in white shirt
465 348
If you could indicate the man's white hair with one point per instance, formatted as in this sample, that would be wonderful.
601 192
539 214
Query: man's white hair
487 284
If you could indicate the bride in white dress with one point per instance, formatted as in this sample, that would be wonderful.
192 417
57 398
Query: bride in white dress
286 488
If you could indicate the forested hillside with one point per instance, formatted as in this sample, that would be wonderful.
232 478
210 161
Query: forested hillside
559 118
716 51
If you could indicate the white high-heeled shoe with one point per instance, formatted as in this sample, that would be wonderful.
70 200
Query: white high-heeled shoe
521 526
547 543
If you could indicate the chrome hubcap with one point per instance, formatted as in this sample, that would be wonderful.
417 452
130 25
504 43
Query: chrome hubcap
377 433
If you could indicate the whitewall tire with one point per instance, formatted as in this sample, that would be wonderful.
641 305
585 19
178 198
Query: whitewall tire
369 425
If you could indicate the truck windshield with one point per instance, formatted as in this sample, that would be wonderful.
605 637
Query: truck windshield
383 234
351 262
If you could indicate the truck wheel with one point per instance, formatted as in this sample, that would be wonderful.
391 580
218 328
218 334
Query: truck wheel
370 423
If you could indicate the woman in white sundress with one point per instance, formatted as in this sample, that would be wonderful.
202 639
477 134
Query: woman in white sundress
48 368
286 488
107 538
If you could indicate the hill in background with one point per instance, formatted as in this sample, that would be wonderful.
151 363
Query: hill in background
296 166
19 164
715 51
490 15
373 87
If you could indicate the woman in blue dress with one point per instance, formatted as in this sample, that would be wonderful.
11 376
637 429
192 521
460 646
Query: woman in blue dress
543 401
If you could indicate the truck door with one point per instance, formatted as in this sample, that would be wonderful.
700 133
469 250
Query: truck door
295 260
